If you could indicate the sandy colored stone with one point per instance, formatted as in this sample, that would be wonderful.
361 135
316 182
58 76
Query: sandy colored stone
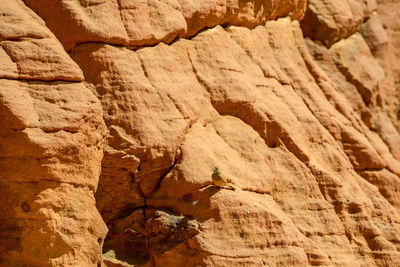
357 64
257 122
300 117
375 35
28 50
329 21
148 22
51 139
388 133
388 11
49 168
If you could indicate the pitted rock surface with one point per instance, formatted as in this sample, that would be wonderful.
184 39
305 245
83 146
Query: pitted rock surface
113 115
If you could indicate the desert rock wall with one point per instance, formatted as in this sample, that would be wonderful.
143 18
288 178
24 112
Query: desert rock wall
114 113
51 147
148 22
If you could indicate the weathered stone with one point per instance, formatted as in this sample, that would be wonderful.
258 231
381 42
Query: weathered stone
148 22
306 131
328 21
51 138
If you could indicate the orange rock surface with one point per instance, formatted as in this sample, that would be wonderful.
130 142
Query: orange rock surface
113 114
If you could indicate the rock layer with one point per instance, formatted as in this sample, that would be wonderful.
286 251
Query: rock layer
300 115
148 22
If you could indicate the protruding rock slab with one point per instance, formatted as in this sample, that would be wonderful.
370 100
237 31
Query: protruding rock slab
148 22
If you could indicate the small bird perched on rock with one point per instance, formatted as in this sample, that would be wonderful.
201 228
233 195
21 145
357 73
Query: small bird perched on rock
219 179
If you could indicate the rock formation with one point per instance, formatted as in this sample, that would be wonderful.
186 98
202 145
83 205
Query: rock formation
113 114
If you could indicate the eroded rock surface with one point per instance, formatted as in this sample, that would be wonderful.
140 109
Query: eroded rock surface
147 22
300 114
51 140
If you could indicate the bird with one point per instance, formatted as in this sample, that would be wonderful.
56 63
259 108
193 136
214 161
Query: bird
219 179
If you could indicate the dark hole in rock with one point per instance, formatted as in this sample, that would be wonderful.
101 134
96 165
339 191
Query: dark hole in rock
25 207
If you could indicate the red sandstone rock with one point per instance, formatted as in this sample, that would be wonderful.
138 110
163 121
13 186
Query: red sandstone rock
328 21
148 22
306 130
50 149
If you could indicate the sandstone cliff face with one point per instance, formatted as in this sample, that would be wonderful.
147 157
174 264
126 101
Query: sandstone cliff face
114 113
51 142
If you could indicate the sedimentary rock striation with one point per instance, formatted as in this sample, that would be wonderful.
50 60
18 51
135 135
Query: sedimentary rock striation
113 115
51 146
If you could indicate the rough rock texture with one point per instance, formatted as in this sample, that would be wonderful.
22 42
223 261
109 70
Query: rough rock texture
302 115
147 22
51 138
328 21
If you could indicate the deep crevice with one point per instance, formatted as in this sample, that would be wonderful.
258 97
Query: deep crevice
176 161
40 81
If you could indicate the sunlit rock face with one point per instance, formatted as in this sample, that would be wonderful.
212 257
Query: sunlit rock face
114 114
